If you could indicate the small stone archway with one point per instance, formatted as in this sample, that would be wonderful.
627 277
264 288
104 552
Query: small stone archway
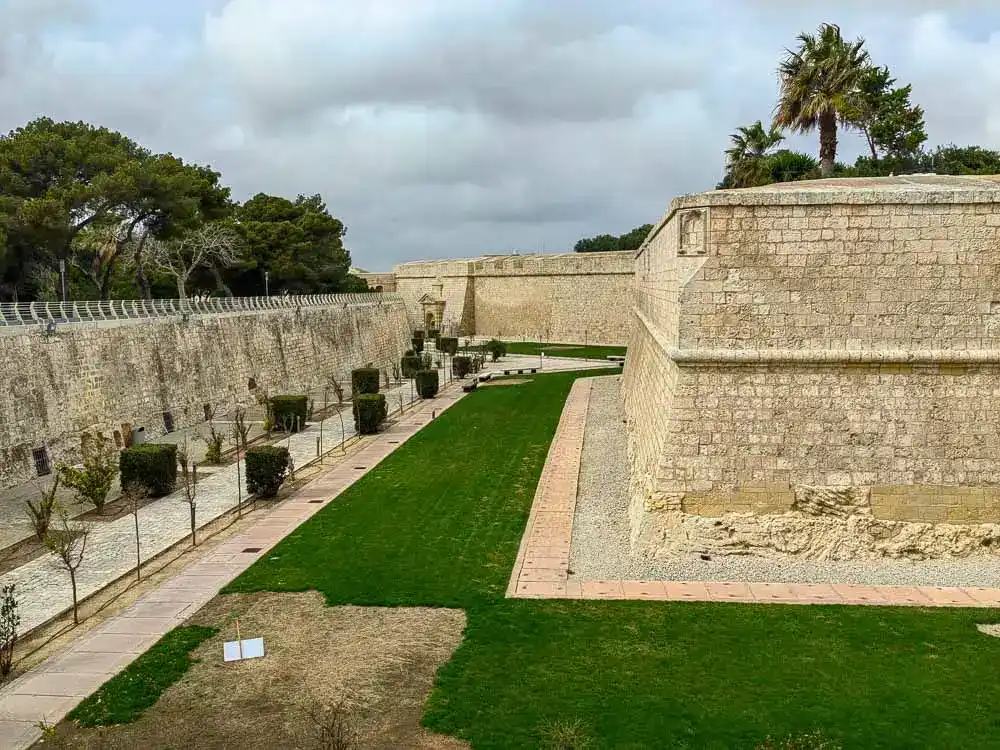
432 311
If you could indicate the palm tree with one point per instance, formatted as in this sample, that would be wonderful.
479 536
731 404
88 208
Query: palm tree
751 146
820 83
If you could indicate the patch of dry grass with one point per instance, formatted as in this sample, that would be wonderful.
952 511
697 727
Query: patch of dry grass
378 664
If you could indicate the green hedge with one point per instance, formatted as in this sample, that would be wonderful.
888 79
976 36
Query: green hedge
418 344
497 348
427 383
410 365
461 366
433 333
447 344
419 334
288 410
365 380
266 466
150 465
370 412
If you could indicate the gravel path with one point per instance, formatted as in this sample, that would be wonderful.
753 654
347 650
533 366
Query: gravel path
601 548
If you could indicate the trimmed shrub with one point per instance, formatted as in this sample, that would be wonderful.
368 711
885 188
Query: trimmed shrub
419 334
411 364
427 383
370 412
150 465
496 348
418 344
433 333
266 466
288 413
447 344
461 366
365 380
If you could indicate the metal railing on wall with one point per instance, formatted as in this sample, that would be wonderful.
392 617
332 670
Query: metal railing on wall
25 315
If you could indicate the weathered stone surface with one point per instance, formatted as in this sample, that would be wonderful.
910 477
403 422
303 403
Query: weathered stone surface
100 376
816 335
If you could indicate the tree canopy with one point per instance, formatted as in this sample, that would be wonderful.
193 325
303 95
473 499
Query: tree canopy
91 201
604 243
828 82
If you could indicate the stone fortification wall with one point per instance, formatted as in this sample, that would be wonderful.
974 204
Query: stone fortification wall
97 376
572 297
829 337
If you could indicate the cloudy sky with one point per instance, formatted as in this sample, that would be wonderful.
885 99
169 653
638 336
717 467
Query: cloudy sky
452 128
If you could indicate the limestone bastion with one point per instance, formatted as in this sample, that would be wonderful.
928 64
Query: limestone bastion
814 367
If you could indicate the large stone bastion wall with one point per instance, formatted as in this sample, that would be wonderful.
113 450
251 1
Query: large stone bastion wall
832 344
572 297
91 376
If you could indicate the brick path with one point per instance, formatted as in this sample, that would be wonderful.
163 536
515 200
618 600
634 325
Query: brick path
542 567
55 687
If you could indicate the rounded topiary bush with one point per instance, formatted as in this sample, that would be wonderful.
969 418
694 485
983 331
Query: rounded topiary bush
288 413
266 467
418 344
418 334
151 465
427 383
411 364
461 366
496 348
370 411
365 380
433 333
447 344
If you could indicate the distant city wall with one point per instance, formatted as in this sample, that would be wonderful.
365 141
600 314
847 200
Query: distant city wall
572 297
90 376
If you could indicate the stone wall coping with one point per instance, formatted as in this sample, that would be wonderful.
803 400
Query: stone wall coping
834 356
903 190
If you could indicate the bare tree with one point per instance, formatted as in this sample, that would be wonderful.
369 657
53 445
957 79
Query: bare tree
10 620
133 495
68 542
214 440
210 246
189 480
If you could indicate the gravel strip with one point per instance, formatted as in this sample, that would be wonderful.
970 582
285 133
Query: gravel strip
601 548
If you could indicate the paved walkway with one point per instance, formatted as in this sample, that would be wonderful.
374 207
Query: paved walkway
542 567
56 686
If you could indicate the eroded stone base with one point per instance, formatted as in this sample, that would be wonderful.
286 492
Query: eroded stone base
855 536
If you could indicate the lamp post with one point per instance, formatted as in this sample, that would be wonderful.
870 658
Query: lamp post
267 283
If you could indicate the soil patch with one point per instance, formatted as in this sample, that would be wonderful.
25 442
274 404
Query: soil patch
378 663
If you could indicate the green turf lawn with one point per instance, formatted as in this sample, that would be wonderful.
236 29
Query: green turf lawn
575 352
438 523
572 351
124 697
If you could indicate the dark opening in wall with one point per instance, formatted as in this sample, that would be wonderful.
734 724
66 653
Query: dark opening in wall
42 466
251 385
208 411
168 421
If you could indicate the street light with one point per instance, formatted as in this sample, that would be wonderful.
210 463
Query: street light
267 283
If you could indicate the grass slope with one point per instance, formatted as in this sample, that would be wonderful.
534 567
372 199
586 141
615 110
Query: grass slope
124 697
572 351
687 675
439 521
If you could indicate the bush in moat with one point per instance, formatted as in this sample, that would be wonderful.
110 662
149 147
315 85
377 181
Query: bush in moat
370 412
427 383
288 413
365 380
496 348
411 364
418 344
266 467
433 333
418 334
447 344
461 366
150 465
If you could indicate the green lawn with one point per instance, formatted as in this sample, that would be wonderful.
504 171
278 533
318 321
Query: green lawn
573 351
557 350
124 697
438 523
